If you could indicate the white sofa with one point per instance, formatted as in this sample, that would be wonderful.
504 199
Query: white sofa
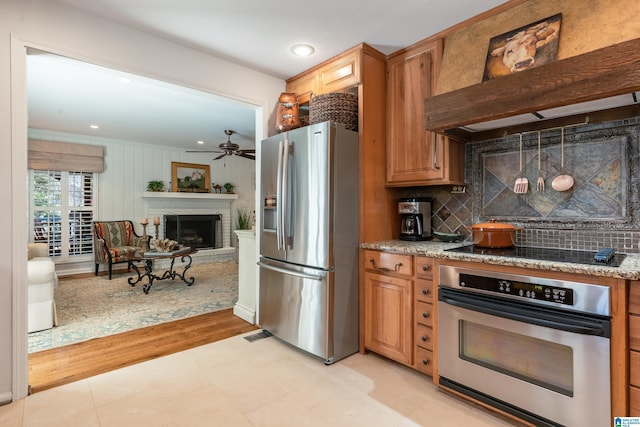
41 282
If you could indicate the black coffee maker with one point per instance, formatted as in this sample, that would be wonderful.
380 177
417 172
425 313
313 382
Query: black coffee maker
415 218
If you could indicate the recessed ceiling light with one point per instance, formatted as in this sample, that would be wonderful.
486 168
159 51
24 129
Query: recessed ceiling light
94 126
200 142
302 49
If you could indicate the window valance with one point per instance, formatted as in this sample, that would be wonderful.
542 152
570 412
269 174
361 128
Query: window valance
65 156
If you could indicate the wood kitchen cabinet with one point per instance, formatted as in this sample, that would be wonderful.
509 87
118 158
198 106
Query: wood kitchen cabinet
398 308
340 73
304 86
424 316
634 349
360 70
416 157
388 305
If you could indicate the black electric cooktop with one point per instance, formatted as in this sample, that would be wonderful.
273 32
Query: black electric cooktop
544 254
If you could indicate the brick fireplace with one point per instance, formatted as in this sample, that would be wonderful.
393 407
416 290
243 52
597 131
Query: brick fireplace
163 204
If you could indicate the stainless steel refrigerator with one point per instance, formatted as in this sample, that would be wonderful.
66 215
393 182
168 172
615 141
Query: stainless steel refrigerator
309 239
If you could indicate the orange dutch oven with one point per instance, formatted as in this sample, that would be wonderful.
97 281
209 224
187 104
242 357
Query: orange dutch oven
494 234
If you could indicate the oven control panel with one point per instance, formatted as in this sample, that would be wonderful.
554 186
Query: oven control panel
521 289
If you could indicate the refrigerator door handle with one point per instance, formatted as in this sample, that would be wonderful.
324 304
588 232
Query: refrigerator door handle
286 202
279 206
291 272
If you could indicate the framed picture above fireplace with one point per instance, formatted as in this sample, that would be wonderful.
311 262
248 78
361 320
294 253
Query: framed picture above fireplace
190 177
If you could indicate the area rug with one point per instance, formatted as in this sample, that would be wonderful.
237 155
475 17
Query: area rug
95 307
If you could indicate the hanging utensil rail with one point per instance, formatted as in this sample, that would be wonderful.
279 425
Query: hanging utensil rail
585 122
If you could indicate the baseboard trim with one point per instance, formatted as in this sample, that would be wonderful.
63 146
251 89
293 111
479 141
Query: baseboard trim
6 397
245 313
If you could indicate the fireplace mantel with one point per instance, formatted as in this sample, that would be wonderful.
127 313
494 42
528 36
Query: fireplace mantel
185 195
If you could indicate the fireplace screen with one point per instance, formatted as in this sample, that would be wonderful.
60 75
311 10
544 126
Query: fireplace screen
196 231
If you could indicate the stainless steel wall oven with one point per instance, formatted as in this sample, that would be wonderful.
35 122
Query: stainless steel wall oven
533 347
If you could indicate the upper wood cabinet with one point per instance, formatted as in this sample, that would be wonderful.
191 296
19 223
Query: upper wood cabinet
360 70
338 74
416 156
304 86
342 73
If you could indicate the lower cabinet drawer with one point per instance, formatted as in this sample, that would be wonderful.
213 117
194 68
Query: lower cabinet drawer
634 297
424 336
424 313
424 290
634 367
634 401
424 361
424 267
388 262
634 331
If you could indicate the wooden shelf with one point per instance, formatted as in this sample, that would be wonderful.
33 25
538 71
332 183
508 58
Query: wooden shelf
178 195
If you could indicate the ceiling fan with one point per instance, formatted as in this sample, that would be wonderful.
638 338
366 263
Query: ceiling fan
229 148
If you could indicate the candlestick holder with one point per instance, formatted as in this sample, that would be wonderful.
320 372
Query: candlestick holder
157 230
144 229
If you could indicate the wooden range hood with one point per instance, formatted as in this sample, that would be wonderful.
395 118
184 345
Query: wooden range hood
602 73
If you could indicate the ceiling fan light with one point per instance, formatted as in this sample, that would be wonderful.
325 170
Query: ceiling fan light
302 49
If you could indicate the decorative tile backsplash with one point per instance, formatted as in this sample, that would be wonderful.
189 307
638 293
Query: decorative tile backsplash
602 209
449 212
598 169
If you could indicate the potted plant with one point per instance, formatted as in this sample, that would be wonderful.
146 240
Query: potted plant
229 187
244 219
155 186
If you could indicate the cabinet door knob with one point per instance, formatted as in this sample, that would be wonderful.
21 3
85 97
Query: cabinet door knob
425 292
425 361
425 315
424 338
425 268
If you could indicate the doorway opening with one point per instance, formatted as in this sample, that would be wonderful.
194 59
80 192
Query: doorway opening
251 114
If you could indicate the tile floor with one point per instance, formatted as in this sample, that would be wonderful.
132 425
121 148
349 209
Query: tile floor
240 383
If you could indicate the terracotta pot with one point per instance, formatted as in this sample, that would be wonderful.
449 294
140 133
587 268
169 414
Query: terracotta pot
494 234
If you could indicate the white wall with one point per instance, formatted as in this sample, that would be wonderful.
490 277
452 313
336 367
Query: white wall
62 30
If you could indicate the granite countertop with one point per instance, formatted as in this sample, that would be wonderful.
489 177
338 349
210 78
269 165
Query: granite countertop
629 269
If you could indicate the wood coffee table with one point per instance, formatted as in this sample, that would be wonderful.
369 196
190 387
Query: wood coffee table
148 257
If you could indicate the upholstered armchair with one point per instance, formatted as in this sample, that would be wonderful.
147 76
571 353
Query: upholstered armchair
41 282
115 241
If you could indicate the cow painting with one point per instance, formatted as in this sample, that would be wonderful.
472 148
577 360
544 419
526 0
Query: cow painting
527 47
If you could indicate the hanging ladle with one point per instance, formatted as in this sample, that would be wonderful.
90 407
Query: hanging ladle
562 182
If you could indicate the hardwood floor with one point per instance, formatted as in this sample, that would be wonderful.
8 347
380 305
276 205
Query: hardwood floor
62 365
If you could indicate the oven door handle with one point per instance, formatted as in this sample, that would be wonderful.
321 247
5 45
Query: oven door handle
542 316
